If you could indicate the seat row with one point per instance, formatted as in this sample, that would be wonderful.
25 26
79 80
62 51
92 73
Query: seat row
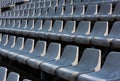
12 76
77 12
6 3
49 3
83 33
63 64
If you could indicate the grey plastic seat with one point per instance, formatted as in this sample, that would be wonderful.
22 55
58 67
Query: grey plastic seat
26 13
116 12
69 58
3 73
47 26
21 13
22 26
105 9
83 28
19 44
68 12
100 29
109 72
59 12
37 5
68 29
31 13
37 12
9 44
92 64
39 50
91 10
42 4
12 76
53 53
48 3
43 13
78 11
4 40
50 12
28 49
57 28
38 25
106 40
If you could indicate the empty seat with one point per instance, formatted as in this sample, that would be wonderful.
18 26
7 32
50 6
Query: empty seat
54 3
83 28
50 12
4 40
106 40
57 28
61 2
3 73
78 11
89 62
105 9
39 50
9 44
47 26
110 70
69 58
28 49
90 11
59 12
53 53
12 76
19 44
68 12
69 29
100 29
68 2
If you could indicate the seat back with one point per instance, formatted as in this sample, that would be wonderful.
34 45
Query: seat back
40 48
37 12
100 28
19 43
105 9
117 9
47 25
69 27
48 3
30 24
93 62
23 24
70 55
37 5
54 3
79 10
69 2
83 28
111 64
31 12
61 2
43 12
53 51
38 25
57 26
17 23
11 41
91 9
4 40
3 73
68 11
51 11
42 4
59 11
115 30
28 46
12 76
26 12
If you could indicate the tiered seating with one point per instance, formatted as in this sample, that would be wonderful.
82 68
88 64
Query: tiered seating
12 76
67 39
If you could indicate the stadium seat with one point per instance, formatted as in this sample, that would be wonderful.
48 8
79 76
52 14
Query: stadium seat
106 40
69 58
92 64
3 73
53 53
12 76
57 28
39 50
82 29
109 71
100 29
